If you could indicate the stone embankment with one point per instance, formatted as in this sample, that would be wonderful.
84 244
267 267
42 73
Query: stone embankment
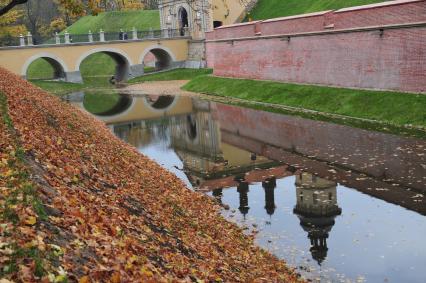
78 204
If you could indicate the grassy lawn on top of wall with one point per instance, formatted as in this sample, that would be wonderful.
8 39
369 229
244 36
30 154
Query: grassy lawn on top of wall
267 9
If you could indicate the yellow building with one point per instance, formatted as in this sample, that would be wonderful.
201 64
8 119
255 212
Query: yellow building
199 16
196 17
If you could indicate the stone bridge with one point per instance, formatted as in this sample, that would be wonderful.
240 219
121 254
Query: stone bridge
128 54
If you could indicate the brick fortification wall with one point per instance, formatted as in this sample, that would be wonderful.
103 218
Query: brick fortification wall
379 46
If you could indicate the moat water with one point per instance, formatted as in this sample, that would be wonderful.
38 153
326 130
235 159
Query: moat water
339 204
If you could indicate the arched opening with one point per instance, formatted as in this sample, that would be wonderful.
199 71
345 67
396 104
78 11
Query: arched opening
160 102
217 24
104 67
157 59
149 62
191 127
45 68
183 20
106 104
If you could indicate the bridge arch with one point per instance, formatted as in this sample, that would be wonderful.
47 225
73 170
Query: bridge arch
122 60
160 103
163 55
59 66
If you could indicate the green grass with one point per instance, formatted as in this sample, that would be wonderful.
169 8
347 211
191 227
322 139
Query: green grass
177 74
392 107
266 9
98 64
40 69
114 21
58 88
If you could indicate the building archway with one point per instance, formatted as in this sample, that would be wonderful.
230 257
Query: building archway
162 58
217 24
183 20
43 60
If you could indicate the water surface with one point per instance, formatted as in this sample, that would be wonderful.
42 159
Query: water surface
339 204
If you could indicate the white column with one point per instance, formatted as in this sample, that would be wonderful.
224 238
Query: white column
135 33
29 39
102 36
57 38
21 40
67 37
90 36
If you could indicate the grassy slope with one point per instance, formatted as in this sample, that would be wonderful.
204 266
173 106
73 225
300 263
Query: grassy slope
266 9
393 107
114 21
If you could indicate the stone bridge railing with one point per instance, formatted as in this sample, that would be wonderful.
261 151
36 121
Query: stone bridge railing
101 36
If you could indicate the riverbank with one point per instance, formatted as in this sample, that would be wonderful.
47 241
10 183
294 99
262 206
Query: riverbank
75 212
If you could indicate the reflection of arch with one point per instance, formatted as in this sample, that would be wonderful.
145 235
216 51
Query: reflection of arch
58 64
123 104
183 20
161 102
123 61
191 127
164 57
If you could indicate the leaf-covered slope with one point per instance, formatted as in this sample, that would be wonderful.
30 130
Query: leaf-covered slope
267 9
113 214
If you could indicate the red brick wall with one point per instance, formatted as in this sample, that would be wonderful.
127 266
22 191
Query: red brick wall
396 60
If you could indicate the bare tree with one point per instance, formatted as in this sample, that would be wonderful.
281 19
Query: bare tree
12 4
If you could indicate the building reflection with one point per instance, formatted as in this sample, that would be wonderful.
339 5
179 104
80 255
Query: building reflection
218 194
208 162
316 208
269 186
243 190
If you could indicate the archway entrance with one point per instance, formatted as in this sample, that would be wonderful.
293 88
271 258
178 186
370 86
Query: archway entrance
183 20
104 67
217 24
157 60
45 68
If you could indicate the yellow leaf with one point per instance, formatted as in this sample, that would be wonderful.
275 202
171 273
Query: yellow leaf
84 279
146 272
31 220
